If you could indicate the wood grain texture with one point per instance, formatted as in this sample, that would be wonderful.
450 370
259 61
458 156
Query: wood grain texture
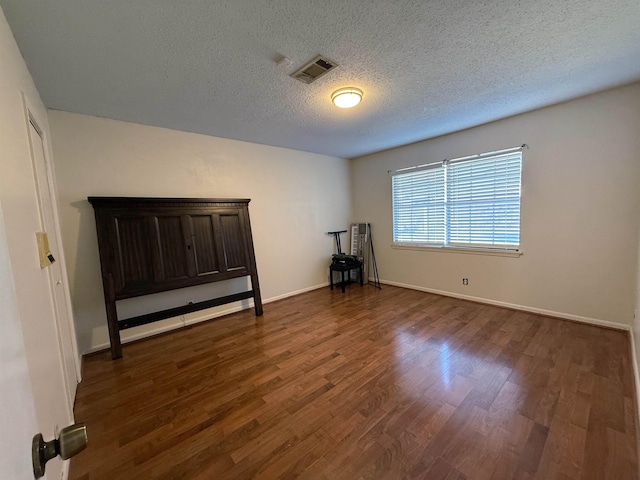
204 246
152 245
370 384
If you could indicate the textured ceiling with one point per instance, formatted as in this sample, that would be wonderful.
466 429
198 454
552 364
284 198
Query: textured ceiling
426 67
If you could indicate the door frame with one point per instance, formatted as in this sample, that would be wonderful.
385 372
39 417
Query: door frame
64 325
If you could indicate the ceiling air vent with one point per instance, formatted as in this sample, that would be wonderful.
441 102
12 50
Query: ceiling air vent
313 70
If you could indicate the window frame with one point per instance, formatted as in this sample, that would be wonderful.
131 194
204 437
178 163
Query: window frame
505 194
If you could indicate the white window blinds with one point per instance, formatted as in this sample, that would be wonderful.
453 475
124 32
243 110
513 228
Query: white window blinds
419 206
471 202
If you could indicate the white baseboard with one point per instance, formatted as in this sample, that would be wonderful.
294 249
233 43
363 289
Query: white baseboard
592 321
567 316
220 313
296 292
148 333
250 304
180 321
524 308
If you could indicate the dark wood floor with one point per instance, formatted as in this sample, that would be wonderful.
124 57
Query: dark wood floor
370 384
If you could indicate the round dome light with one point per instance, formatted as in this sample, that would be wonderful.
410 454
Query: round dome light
346 97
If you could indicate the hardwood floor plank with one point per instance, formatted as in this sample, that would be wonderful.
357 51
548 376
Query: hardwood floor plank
384 384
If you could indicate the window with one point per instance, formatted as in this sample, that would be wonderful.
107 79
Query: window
469 202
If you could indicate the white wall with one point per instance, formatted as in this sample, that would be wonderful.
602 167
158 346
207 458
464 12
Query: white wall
35 315
579 219
635 334
296 197
17 415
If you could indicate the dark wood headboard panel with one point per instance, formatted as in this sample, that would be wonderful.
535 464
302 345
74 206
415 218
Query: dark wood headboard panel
150 245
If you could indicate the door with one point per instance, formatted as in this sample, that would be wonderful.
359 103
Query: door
57 278
17 415
48 337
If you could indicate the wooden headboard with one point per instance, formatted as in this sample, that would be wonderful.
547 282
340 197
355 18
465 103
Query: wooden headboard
150 245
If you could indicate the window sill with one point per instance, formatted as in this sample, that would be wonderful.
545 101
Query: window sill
494 252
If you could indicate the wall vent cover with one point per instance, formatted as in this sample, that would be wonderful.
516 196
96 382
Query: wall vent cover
313 70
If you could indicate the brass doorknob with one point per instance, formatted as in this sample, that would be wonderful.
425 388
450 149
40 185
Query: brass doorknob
71 441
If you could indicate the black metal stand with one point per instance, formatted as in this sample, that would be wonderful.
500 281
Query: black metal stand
376 277
336 237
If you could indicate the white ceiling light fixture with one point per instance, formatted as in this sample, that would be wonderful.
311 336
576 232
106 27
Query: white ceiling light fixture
346 97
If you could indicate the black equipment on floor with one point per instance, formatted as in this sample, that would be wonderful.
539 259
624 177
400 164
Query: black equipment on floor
343 263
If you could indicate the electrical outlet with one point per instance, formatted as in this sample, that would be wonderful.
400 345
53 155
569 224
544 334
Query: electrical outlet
465 281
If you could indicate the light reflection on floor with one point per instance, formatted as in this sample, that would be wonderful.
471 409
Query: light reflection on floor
437 365
444 364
